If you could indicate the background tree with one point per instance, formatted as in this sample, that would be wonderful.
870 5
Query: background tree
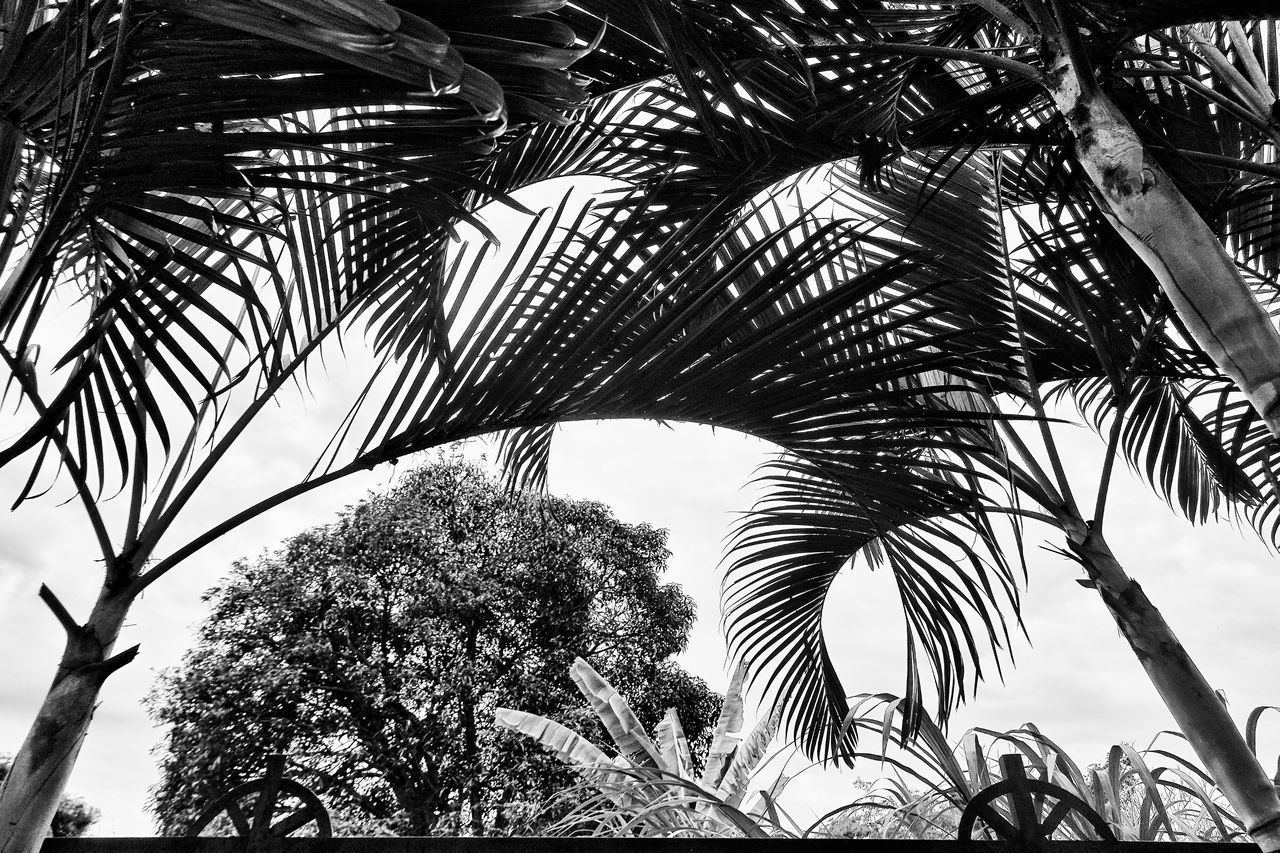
374 650
73 817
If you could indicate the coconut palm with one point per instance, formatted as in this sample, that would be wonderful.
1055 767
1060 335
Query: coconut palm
221 200
1111 167
802 336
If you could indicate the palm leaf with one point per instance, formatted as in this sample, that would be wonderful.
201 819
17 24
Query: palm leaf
189 142
905 506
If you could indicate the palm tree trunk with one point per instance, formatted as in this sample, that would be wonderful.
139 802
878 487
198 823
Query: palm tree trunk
1218 309
30 794
1141 201
1195 707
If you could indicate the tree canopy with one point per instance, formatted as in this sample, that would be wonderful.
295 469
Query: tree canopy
374 650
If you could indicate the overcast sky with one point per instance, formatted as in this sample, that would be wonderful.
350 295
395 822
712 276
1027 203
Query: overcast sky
1078 681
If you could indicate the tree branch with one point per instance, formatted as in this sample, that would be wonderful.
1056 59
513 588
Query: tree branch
1006 16
64 617
101 671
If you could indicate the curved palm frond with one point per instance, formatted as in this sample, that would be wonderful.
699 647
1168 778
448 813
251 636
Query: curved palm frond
235 177
608 323
909 504
877 82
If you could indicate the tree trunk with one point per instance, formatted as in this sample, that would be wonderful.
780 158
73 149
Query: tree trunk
30 794
1197 710
1219 310
1141 201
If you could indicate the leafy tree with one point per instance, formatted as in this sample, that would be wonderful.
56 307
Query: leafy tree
374 650
73 817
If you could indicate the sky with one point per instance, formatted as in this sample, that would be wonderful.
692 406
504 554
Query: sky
1076 678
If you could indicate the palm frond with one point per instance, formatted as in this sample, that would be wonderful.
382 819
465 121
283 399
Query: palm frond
237 175
523 456
907 503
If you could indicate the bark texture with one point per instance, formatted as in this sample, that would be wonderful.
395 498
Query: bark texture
36 781
1203 284
1192 702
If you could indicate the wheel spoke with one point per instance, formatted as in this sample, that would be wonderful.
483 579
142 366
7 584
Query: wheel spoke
1055 816
292 822
993 819
238 818
265 806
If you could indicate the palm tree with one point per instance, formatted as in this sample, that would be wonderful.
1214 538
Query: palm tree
1132 148
217 263
222 191
1135 148
213 192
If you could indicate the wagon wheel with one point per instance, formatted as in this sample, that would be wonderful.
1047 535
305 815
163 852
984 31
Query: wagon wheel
1031 823
251 807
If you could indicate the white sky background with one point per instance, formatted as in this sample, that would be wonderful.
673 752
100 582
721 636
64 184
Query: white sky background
1078 681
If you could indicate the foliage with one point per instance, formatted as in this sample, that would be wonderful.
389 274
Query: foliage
199 200
220 223
934 122
651 787
73 817
371 651
1154 794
